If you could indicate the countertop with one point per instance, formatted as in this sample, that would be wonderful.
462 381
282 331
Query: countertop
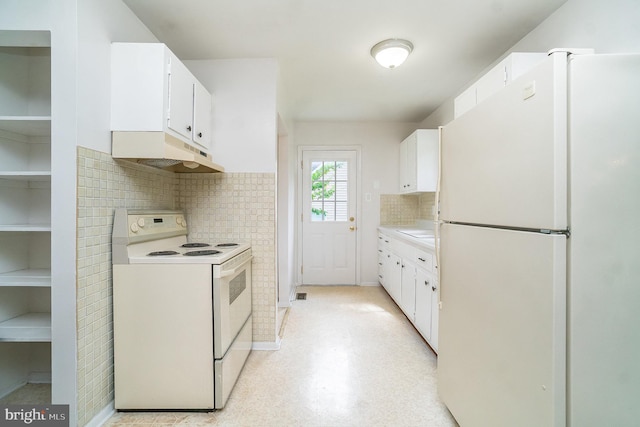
407 234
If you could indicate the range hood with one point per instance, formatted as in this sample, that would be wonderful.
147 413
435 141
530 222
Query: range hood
161 150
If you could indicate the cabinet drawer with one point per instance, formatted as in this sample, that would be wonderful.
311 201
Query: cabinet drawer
383 241
424 260
403 250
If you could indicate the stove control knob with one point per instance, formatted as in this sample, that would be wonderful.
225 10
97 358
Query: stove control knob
134 227
141 222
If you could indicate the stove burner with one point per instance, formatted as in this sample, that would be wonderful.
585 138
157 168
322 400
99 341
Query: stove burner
159 253
202 253
226 245
195 245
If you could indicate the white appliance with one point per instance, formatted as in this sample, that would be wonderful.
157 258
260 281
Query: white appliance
540 239
181 313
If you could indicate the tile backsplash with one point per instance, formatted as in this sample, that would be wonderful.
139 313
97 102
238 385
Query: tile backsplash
239 207
397 209
103 185
234 206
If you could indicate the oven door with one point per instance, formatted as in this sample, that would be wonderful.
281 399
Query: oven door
231 300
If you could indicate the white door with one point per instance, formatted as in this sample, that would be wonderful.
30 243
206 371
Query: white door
329 217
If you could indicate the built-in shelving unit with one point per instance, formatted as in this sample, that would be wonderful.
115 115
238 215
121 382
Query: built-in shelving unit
25 209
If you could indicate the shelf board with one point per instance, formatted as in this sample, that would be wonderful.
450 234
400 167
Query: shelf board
30 277
25 227
26 175
30 327
27 125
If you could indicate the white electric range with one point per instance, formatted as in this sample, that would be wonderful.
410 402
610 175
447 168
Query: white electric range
182 313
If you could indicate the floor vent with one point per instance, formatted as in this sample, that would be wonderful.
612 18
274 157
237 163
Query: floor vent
301 295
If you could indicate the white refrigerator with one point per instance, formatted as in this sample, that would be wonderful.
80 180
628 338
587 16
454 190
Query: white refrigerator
540 249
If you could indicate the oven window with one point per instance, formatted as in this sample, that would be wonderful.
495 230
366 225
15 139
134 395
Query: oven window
237 285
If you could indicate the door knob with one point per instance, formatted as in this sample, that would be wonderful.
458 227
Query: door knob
352 219
352 228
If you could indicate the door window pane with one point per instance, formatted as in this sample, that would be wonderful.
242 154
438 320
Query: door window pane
329 191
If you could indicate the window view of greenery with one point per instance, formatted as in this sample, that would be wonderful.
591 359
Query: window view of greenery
329 191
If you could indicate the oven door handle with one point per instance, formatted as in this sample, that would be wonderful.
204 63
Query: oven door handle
235 270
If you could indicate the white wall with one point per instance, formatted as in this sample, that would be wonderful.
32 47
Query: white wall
380 149
101 22
244 111
285 216
610 26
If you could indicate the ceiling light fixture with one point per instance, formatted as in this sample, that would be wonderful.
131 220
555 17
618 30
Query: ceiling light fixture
392 52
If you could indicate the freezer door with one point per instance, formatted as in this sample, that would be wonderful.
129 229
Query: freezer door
501 354
604 336
505 161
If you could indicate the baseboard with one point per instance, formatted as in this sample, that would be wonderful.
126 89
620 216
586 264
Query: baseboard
39 378
102 416
11 388
369 284
266 346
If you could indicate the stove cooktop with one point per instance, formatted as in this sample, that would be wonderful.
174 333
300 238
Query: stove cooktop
185 253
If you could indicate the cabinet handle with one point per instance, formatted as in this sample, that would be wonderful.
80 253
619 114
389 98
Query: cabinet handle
380 250
433 288
422 259
199 134
426 283
379 263
398 263
189 128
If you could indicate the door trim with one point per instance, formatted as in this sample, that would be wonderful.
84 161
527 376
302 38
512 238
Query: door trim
300 196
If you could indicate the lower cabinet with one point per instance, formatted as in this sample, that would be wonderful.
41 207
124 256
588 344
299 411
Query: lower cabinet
426 317
393 277
408 274
408 291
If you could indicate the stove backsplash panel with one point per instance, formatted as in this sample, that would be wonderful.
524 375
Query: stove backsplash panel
238 207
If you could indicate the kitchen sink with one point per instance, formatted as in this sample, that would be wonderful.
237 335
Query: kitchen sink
420 234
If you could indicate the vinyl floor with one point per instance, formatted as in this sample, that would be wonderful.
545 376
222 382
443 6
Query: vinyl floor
349 357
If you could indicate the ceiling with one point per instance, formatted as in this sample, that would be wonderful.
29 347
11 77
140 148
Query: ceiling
322 47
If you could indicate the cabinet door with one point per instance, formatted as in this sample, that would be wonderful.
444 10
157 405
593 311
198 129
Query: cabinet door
201 116
424 305
435 314
408 292
411 171
180 115
402 176
393 276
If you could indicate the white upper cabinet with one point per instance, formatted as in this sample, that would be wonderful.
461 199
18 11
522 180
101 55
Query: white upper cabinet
152 91
495 79
419 162
202 115
181 99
